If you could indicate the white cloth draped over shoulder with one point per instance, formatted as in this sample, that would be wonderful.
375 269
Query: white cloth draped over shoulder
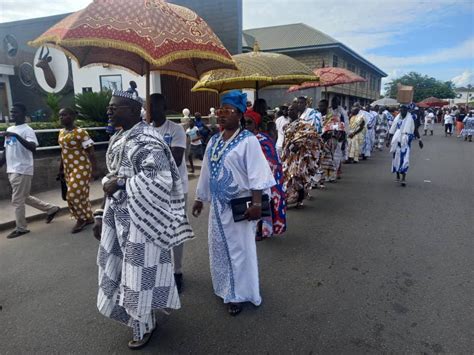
230 172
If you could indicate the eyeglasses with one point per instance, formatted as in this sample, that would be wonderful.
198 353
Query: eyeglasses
114 108
225 111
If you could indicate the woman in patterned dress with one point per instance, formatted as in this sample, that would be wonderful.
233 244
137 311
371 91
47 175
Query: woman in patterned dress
275 224
77 166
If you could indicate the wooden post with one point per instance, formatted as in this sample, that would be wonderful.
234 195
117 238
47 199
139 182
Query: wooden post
147 94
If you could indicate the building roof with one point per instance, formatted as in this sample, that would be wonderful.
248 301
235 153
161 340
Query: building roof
296 37
462 89
289 36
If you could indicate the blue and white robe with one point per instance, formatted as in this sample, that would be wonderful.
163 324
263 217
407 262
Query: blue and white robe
369 139
403 131
241 168
141 225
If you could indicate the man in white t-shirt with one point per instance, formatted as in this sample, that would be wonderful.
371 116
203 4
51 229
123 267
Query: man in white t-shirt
175 136
448 124
281 123
429 122
195 141
20 143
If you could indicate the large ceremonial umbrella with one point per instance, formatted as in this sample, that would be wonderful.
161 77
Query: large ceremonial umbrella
140 35
330 76
386 102
432 102
256 71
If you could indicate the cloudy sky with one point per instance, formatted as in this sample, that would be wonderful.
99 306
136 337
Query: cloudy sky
433 37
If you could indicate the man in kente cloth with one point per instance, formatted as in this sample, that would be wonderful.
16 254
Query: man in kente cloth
142 219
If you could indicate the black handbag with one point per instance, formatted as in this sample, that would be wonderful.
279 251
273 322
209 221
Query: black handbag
240 205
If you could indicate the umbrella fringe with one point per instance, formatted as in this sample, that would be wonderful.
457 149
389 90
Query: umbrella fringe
55 41
267 79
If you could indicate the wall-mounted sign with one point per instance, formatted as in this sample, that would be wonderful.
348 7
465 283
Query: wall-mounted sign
10 45
51 68
110 82
26 74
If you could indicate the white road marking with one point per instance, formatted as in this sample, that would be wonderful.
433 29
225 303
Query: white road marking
426 180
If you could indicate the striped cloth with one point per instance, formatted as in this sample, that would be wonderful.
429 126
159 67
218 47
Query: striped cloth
141 225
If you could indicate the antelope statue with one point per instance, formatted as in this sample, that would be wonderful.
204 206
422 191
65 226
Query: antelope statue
43 63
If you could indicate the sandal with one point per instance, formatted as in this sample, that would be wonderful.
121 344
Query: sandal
234 309
138 344
50 217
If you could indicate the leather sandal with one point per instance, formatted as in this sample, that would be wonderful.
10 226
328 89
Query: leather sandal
138 344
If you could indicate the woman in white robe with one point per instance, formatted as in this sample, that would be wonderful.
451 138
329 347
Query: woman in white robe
401 133
234 166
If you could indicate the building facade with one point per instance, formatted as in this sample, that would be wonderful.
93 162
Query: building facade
316 50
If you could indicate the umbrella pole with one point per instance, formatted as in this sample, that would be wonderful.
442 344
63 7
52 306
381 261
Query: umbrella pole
147 95
256 90
326 92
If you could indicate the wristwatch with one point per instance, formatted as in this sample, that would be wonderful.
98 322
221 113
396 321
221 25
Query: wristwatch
121 181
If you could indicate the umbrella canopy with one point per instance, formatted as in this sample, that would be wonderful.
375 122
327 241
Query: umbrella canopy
330 76
386 101
256 70
432 102
139 35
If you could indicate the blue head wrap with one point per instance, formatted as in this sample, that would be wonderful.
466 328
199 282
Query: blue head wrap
235 98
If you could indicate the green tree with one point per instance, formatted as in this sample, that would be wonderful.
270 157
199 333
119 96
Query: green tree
424 86
93 105
53 102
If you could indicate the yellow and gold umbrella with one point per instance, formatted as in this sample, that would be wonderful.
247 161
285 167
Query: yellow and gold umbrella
256 70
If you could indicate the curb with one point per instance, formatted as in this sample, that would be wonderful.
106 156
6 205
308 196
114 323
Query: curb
39 216
65 210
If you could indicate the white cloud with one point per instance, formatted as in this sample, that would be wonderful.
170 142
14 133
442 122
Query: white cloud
360 24
14 10
467 77
464 50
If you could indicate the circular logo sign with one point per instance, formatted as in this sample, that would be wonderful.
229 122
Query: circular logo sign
51 69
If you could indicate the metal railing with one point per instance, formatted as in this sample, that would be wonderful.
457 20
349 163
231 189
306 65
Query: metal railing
52 130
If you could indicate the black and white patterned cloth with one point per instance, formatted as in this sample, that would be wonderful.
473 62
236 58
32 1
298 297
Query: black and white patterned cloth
141 225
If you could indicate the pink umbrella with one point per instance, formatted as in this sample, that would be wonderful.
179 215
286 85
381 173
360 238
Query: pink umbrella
330 76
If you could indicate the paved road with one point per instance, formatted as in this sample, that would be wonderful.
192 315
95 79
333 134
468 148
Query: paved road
366 267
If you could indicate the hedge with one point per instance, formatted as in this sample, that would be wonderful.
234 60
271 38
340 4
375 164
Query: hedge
51 138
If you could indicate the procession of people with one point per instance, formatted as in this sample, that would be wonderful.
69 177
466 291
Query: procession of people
255 166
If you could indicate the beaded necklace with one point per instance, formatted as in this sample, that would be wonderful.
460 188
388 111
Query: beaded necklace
217 155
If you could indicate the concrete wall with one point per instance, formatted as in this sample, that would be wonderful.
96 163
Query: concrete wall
223 16
89 77
46 170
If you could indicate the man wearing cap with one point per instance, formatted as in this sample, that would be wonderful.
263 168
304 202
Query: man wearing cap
233 167
142 219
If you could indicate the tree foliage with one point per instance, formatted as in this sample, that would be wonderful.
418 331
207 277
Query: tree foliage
93 105
53 102
424 86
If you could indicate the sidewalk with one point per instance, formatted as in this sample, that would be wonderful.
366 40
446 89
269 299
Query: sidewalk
7 217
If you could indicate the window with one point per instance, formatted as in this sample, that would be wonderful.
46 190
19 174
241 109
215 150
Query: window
373 85
363 74
351 67
335 61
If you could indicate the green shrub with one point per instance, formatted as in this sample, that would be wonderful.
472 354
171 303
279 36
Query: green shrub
93 105
51 138
53 102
